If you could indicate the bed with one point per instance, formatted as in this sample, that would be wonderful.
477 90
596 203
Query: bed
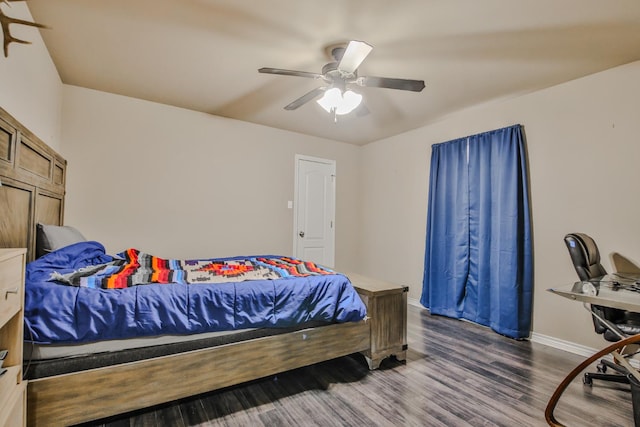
32 192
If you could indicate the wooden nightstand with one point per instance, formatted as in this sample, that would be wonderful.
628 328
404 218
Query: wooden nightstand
13 397
387 311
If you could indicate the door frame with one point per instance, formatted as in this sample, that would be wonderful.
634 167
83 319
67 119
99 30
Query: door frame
330 162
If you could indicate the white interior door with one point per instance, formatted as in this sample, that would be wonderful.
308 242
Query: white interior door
314 216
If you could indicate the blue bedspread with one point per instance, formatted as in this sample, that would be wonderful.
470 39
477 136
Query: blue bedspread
58 313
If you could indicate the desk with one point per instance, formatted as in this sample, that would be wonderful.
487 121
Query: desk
612 290
615 291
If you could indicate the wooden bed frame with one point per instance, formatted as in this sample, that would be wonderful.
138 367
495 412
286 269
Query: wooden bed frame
32 191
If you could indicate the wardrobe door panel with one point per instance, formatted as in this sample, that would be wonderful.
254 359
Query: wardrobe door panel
15 229
48 209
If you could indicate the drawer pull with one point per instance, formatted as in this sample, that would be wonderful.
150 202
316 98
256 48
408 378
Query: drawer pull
10 291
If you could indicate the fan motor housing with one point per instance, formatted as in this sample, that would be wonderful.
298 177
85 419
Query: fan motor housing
332 72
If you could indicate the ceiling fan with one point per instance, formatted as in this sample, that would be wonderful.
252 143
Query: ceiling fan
337 75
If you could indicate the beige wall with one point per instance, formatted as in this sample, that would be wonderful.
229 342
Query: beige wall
135 167
30 88
583 142
182 184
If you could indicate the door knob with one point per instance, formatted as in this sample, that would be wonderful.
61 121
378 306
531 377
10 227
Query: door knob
301 234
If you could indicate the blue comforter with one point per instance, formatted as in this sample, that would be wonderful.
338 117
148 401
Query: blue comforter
58 313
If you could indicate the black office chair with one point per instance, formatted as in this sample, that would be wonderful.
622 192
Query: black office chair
621 324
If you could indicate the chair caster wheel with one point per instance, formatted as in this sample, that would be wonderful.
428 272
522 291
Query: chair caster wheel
586 380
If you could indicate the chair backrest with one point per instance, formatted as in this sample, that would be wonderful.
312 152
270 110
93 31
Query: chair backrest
586 260
585 256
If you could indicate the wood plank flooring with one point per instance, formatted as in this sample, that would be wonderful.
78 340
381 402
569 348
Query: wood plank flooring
456 374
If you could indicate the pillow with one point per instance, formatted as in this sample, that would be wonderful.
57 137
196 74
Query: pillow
52 237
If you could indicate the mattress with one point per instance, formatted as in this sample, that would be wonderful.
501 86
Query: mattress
57 312
44 360
37 352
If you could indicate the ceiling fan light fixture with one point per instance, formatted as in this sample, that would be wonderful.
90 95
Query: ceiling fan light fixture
331 99
334 101
350 101
337 75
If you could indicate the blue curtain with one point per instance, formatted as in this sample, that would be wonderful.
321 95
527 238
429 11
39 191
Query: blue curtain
478 255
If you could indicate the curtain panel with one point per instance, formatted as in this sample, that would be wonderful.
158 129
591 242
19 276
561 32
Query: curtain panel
478 253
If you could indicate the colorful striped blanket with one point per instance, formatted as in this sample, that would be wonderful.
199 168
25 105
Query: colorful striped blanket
139 268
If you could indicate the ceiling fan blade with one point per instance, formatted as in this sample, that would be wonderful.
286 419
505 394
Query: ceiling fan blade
390 83
309 96
353 56
267 70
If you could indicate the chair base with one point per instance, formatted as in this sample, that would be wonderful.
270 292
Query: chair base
616 378
621 375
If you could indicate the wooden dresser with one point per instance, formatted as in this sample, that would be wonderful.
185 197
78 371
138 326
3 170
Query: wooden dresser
387 311
13 397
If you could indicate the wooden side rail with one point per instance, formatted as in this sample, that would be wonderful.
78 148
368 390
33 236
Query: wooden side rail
73 398
551 406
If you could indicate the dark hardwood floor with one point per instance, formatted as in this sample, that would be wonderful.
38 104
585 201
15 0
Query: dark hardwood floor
456 374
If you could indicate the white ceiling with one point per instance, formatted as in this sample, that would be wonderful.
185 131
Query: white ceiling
204 54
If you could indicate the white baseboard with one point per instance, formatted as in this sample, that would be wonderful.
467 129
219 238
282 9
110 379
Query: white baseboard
568 346
415 302
574 348
554 342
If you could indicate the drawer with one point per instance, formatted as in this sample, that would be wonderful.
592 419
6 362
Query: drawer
8 383
11 271
12 413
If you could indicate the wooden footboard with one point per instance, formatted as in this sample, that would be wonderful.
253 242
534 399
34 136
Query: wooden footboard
97 393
